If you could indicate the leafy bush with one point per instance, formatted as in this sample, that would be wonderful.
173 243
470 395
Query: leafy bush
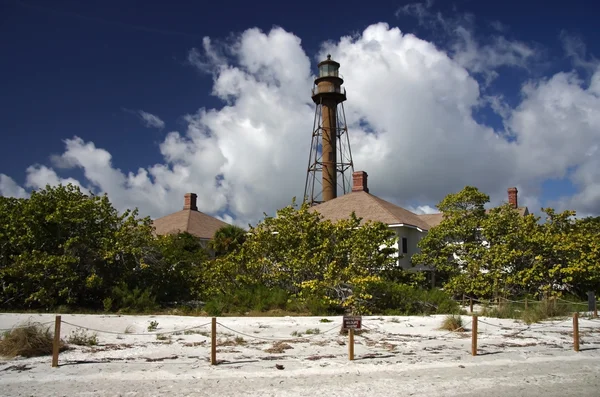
536 311
133 301
27 340
108 304
502 310
152 326
81 338
251 298
399 299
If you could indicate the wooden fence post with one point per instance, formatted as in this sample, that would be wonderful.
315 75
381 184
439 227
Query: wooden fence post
56 342
576 331
474 337
213 342
351 344
471 305
526 303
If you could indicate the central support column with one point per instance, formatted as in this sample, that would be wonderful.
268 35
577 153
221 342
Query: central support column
329 150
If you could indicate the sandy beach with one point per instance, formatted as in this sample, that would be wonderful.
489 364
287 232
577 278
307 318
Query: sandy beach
302 356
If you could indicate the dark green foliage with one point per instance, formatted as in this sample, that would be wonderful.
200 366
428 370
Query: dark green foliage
62 247
503 253
132 301
503 310
251 298
227 239
535 312
173 268
399 299
64 250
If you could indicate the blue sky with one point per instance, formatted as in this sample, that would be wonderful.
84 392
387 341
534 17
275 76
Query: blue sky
87 72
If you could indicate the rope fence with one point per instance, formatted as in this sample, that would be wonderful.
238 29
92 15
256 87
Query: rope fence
526 302
561 326
136 334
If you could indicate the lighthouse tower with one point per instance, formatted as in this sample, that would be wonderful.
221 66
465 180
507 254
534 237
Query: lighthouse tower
330 164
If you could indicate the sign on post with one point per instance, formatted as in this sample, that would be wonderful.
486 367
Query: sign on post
591 301
352 322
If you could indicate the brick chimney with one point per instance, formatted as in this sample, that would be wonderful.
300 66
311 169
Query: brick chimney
189 202
512 197
359 182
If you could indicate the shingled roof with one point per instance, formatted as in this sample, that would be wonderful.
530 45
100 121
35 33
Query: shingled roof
373 208
367 206
189 220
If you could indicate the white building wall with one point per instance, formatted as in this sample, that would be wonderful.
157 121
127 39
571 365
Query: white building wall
413 236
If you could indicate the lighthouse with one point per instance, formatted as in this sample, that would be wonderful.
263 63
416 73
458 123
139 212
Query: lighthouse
330 164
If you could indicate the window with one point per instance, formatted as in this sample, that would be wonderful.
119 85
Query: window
328 70
404 245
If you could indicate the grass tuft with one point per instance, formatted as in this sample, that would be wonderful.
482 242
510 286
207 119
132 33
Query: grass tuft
452 323
545 310
278 347
27 340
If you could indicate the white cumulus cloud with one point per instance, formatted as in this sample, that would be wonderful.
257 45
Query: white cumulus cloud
410 115
10 188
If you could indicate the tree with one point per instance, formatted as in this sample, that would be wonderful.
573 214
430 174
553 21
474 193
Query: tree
61 246
584 246
227 239
501 252
301 253
173 269
455 248
506 234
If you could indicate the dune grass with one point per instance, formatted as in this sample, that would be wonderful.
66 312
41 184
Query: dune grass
28 340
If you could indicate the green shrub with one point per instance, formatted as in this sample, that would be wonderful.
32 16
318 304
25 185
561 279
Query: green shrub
317 306
216 306
152 326
108 304
81 338
503 310
399 299
133 301
250 298
544 310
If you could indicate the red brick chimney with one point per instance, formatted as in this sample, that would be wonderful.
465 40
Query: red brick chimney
189 202
512 197
359 182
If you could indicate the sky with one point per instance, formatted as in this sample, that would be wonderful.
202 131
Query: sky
146 102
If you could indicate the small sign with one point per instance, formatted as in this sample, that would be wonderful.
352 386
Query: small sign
591 301
352 322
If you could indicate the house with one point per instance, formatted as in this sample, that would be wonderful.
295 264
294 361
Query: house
409 227
190 220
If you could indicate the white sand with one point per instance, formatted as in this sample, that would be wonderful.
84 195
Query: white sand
397 356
